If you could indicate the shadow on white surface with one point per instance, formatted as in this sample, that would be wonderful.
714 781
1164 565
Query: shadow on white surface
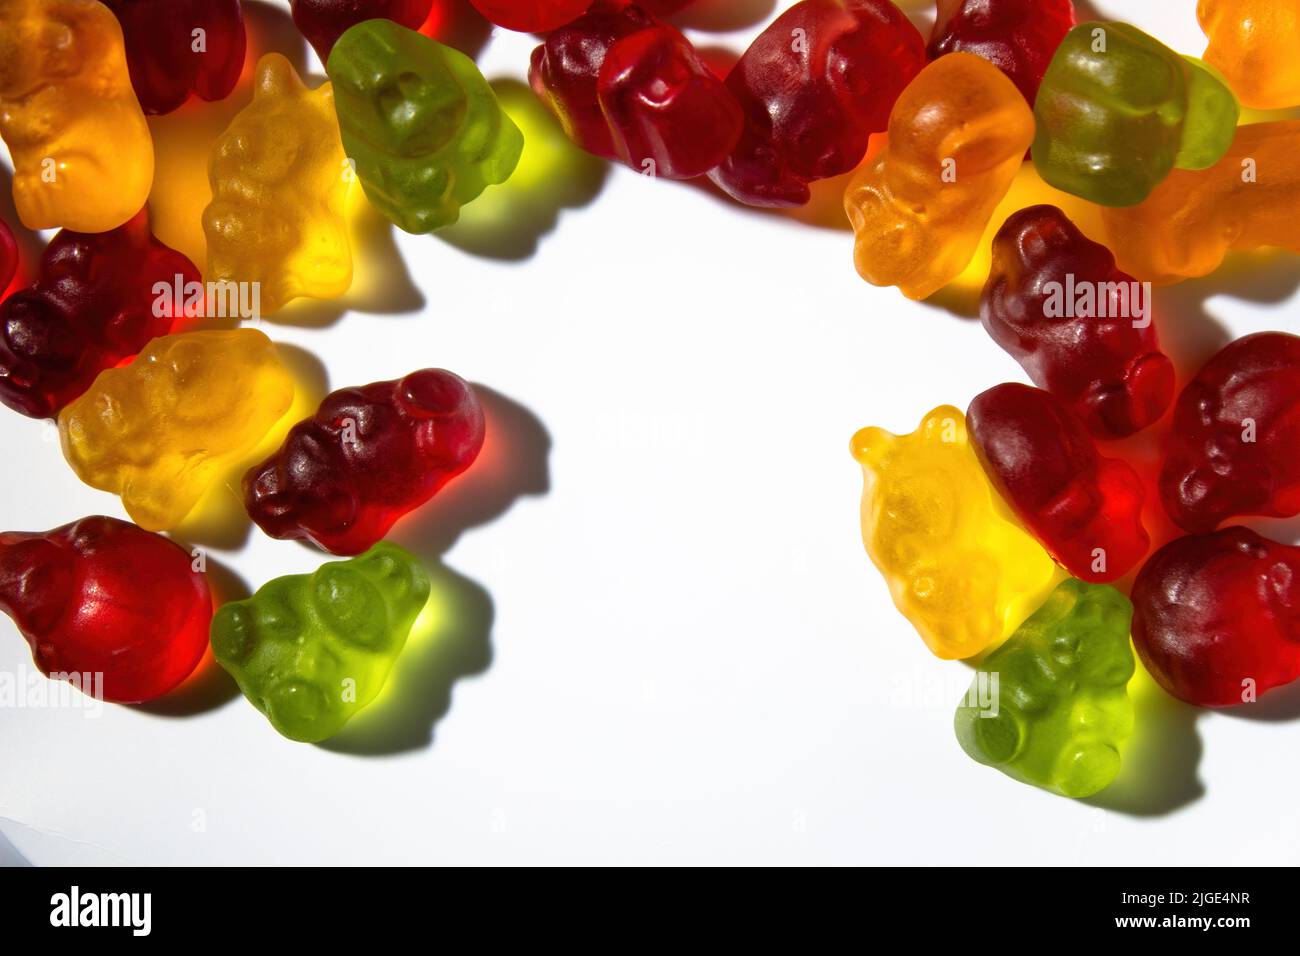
457 641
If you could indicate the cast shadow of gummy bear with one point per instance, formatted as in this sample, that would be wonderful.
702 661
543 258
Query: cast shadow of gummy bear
508 220
452 639
1158 775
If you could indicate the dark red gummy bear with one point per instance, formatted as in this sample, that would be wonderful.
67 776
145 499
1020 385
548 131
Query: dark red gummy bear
1019 37
814 86
103 597
1109 370
530 16
1235 444
1216 617
626 86
1084 508
161 52
8 257
92 306
322 22
367 457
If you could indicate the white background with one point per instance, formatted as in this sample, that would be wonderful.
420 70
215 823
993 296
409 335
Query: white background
661 638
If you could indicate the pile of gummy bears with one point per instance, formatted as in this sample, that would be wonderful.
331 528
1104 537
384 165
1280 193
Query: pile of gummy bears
1001 531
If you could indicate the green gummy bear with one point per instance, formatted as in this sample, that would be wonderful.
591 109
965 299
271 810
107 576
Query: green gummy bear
1050 706
422 127
1118 110
310 650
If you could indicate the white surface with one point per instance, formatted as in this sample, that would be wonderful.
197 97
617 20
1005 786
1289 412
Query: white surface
689 658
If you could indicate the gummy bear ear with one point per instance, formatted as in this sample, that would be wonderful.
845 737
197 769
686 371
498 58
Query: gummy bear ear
275 76
946 424
870 446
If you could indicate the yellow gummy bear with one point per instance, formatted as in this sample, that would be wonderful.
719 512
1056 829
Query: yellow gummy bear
1255 44
163 429
83 159
958 564
957 137
279 182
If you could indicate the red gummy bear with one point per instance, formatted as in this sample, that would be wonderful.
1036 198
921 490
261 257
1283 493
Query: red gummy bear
531 16
814 86
103 597
1232 449
93 305
626 86
322 22
1019 37
1084 508
160 39
368 456
8 257
1216 617
1048 288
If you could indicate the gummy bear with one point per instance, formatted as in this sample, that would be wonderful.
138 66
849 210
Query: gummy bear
1232 448
421 124
814 86
531 16
94 304
1050 707
1017 36
957 137
120 612
1084 508
311 650
322 22
1216 617
81 150
8 257
178 47
1079 326
958 565
161 430
1249 200
368 456
279 182
1118 110
628 87
1254 43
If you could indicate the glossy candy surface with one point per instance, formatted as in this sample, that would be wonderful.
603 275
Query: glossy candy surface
421 124
178 47
1085 509
957 137
102 597
82 155
311 650
8 257
92 306
814 86
628 87
1236 431
1118 110
368 456
161 430
531 16
1017 36
1254 44
322 22
1080 327
1216 617
1248 200
279 181
1050 707
958 565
